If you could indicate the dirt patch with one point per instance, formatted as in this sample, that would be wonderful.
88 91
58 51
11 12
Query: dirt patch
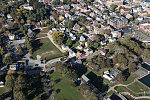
49 53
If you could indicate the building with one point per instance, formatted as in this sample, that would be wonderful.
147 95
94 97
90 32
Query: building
1 84
118 22
85 79
116 34
145 27
26 6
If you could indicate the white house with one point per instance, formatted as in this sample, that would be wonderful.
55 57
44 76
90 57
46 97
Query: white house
112 40
13 67
72 36
11 36
1 84
65 48
107 76
71 53
26 6
82 39
79 47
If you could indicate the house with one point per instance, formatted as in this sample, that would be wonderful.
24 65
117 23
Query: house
1 84
107 76
125 11
11 36
79 47
88 51
73 37
103 52
65 48
112 40
71 53
82 39
26 6
85 79
142 13
13 67
76 27
129 16
80 55
30 33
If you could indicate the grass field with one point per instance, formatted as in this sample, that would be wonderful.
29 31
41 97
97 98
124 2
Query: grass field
2 90
130 79
47 50
66 91
138 87
121 89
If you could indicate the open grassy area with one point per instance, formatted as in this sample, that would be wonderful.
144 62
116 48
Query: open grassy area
138 87
121 89
130 79
109 93
46 49
2 90
64 88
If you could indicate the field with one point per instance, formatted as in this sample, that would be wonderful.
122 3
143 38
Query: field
64 90
2 90
46 49
138 87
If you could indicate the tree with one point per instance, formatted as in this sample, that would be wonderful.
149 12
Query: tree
58 37
1 50
108 62
20 50
20 83
8 60
10 81
132 67
69 42
113 7
19 95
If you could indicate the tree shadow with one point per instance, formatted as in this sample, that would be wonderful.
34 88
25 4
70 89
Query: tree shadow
36 44
58 91
97 81
57 80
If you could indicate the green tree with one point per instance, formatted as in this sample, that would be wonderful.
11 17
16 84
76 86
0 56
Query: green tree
20 50
58 37
8 60
132 67
113 7
69 42
19 95
10 81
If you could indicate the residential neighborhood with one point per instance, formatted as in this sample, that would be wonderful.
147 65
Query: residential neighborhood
74 50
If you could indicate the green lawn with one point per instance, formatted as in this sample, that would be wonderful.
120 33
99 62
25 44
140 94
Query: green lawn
121 89
130 79
2 90
138 87
47 50
109 93
66 91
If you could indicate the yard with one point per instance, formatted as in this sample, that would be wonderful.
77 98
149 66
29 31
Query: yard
46 49
64 90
